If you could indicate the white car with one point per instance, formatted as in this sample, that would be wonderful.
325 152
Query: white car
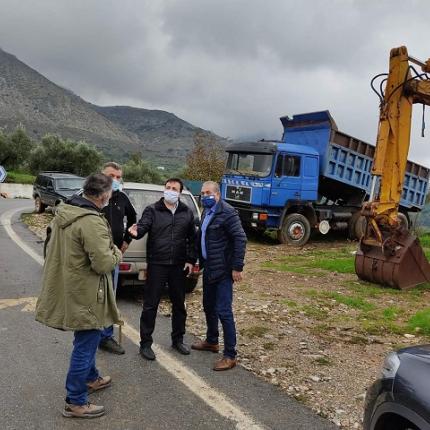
133 267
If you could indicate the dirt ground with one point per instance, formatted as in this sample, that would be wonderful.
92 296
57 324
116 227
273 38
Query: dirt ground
318 333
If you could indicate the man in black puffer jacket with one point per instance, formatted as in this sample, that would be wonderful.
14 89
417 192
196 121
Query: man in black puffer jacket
171 254
222 251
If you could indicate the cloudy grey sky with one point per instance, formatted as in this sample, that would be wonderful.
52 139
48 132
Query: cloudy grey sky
231 66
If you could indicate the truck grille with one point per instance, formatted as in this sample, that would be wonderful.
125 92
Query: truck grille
238 193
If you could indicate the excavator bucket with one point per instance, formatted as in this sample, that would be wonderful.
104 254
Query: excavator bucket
405 266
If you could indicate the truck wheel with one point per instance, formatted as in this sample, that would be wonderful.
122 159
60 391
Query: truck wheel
356 226
295 230
39 207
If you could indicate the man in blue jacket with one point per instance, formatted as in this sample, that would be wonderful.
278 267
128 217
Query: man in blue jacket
222 251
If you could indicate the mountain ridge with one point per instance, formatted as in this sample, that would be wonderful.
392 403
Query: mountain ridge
41 106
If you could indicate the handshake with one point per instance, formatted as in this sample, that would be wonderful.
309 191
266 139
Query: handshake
133 230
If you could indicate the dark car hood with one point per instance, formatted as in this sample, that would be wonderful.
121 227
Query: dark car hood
421 351
66 193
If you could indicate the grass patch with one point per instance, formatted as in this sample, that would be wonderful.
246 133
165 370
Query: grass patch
425 240
17 177
369 290
289 303
351 301
315 312
269 346
312 293
323 361
420 321
392 313
255 331
315 262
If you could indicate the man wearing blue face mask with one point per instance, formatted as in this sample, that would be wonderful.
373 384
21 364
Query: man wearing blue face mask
222 251
118 208
171 254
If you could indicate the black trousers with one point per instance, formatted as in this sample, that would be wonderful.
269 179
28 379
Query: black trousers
157 277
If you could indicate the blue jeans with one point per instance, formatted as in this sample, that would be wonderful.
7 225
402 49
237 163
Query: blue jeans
217 304
82 366
107 332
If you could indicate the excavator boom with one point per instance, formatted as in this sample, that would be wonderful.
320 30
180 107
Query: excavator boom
388 254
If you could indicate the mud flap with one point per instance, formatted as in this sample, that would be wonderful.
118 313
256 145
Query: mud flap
404 266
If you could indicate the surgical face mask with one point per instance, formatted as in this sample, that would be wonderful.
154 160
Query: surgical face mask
171 196
208 201
116 185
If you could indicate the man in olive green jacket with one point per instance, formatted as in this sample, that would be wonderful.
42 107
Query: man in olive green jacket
77 291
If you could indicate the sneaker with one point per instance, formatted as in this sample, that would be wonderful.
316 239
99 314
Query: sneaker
111 345
147 352
83 411
99 384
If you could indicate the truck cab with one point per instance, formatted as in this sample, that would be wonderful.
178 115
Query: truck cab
263 179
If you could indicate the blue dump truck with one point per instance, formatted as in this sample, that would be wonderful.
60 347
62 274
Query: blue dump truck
314 179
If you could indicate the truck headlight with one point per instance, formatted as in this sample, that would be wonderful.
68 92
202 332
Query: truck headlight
255 216
391 365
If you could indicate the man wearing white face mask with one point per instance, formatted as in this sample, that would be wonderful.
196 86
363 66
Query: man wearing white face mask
118 208
171 255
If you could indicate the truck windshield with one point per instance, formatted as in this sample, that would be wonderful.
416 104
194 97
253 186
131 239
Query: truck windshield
249 164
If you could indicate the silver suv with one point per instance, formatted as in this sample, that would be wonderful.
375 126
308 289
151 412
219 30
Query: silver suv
132 269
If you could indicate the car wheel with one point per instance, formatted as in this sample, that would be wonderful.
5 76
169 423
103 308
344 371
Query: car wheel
295 230
39 207
394 422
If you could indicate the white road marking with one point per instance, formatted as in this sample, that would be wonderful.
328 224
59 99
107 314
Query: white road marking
217 400
6 222
29 302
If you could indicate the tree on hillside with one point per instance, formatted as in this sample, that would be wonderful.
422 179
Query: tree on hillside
206 161
54 153
138 170
14 148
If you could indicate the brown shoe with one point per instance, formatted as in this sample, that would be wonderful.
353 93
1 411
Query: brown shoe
99 384
83 411
225 363
202 345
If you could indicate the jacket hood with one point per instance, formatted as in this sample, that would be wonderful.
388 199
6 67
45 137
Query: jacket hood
67 213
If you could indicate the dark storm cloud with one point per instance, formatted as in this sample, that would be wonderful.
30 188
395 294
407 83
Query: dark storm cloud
232 66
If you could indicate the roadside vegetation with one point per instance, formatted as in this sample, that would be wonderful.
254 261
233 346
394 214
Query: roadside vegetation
24 158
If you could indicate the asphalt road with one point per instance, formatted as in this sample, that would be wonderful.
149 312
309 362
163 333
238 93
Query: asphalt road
172 392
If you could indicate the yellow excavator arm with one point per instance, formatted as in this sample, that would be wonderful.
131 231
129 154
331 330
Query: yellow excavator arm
387 253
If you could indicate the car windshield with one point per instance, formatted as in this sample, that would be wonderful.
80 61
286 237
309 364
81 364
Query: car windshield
249 164
69 184
142 198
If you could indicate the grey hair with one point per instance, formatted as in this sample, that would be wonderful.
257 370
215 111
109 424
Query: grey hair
112 164
97 184
214 185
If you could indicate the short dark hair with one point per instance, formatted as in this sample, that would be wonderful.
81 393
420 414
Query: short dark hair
179 181
112 164
97 184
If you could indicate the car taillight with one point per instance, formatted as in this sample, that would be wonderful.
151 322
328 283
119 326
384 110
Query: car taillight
124 267
196 268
